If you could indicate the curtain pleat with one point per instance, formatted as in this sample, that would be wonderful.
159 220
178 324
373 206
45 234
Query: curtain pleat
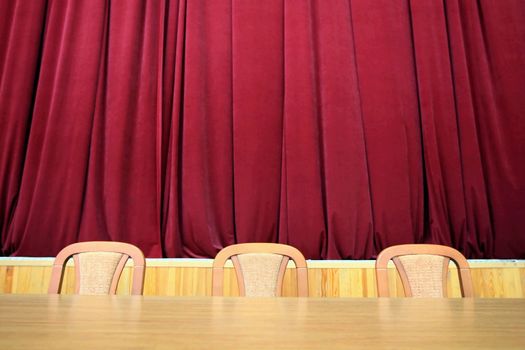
340 127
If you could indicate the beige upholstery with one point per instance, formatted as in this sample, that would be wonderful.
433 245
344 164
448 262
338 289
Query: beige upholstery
97 271
98 266
424 274
260 269
260 273
423 269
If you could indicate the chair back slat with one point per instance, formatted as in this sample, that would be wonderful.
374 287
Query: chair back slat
97 272
259 273
422 274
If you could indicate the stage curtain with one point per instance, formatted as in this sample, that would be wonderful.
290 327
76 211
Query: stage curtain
338 126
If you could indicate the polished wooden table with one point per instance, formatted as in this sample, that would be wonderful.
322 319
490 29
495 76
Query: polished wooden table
127 322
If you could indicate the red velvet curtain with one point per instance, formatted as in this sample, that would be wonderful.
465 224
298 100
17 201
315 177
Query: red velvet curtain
338 126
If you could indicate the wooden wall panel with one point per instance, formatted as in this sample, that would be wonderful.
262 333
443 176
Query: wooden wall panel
192 277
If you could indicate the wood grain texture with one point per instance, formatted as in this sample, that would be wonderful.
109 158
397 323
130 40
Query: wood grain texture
192 277
136 322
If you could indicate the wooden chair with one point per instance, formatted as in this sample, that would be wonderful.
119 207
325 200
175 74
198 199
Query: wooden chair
423 269
260 269
98 266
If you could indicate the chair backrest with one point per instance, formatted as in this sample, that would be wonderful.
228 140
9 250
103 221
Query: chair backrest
98 266
260 268
423 269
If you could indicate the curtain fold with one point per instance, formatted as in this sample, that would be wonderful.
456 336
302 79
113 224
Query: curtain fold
20 53
340 127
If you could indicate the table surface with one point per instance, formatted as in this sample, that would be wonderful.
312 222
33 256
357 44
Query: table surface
136 322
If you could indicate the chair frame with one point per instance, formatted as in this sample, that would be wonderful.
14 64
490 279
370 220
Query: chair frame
392 253
287 251
128 251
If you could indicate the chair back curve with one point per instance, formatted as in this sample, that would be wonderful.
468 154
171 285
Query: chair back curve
98 267
260 269
423 269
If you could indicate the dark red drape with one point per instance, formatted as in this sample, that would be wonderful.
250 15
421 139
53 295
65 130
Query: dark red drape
338 126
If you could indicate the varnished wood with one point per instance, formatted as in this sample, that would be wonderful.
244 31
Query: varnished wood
136 322
192 277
